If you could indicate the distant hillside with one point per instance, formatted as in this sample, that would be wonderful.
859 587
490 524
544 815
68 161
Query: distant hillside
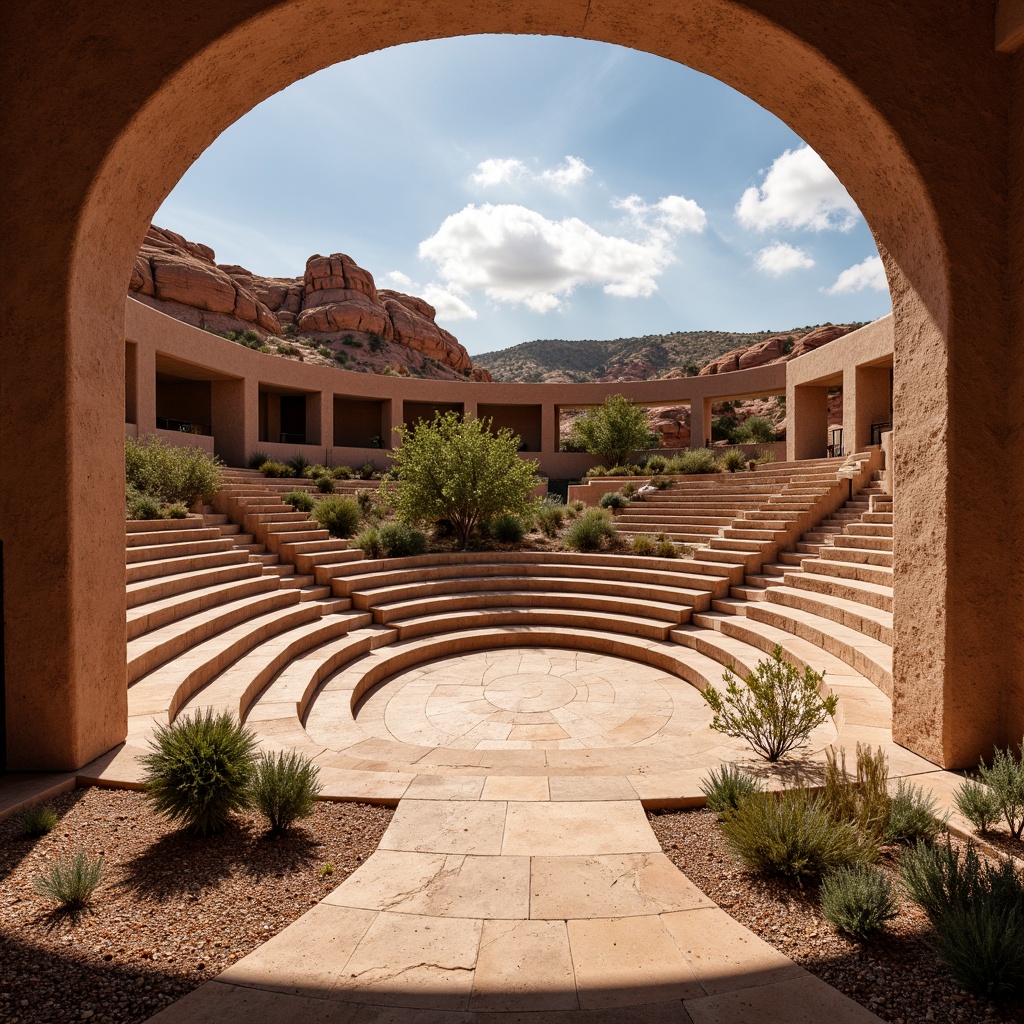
651 357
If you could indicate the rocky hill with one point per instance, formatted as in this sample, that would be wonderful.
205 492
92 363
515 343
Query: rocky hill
652 357
333 314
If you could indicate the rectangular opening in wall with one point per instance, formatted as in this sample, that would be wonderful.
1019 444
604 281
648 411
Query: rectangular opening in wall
183 404
413 412
359 422
282 415
523 420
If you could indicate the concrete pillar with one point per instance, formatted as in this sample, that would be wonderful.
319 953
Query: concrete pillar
866 399
393 416
145 394
131 382
469 409
806 422
314 418
234 415
549 439
700 422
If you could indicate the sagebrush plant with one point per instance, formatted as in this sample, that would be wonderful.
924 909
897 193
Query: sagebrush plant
666 548
978 804
70 881
337 514
613 499
550 517
342 473
726 788
642 544
38 820
863 799
257 459
1005 778
913 816
198 770
277 470
656 464
325 484
693 462
775 708
368 541
139 505
757 430
507 528
301 501
591 531
733 461
858 900
792 834
400 540
284 788
977 910
170 474
176 512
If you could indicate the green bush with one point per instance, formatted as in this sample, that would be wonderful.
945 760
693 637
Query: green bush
38 820
367 471
198 770
342 473
170 474
858 900
776 710
656 464
978 804
757 430
662 483
298 464
629 489
1006 780
338 515
977 911
592 530
612 500
764 456
550 518
734 460
314 470
508 529
284 788
368 541
399 540
301 501
613 431
176 512
728 787
257 459
70 881
276 470
325 484
913 816
694 461
793 835
140 506
666 548
862 800
642 544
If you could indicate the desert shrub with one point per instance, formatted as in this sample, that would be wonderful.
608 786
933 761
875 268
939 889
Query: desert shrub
367 502
367 470
70 881
629 489
642 544
313 470
757 430
977 911
613 431
792 834
298 464
665 548
37 821
576 506
764 456
176 512
376 342
276 470
734 460
325 484
337 514
656 464
978 804
342 473
863 800
913 816
284 788
1006 780
662 483
728 787
693 462
198 770
301 501
775 710
368 541
140 506
399 540
257 459
612 500
550 518
168 473
858 900
508 529
592 530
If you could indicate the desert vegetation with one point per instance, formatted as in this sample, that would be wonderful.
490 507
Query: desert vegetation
163 481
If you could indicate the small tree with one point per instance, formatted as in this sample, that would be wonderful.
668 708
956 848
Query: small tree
757 429
777 708
458 470
614 431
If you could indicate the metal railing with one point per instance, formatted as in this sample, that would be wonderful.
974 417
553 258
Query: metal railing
292 438
834 449
184 426
877 430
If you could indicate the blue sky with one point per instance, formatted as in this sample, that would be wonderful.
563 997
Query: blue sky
538 187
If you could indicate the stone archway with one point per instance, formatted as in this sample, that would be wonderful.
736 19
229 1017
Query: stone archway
122 99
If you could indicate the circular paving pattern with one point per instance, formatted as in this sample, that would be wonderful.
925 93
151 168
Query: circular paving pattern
521 699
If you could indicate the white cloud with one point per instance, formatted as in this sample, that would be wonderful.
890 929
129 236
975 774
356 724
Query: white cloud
868 273
398 280
448 305
799 191
496 171
780 258
672 213
518 256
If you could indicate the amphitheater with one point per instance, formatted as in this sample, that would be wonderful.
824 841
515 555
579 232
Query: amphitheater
521 710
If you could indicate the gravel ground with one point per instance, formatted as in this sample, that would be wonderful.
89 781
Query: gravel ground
171 911
894 974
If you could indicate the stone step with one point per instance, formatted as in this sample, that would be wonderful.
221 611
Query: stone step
863 556
863 529
163 525
138 571
160 587
874 623
872 594
874 543
168 536
849 570
156 552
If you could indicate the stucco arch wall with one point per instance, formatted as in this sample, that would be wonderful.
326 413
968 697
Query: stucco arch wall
906 103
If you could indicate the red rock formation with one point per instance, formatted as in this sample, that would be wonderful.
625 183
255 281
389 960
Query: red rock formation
773 350
335 296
